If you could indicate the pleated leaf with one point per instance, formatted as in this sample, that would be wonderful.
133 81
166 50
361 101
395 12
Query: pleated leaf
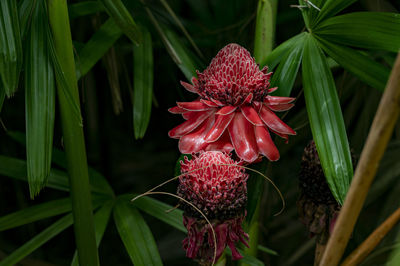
286 73
142 84
39 101
158 210
326 120
101 218
37 241
310 11
366 69
265 29
35 213
136 235
273 59
97 46
331 8
117 10
10 46
370 30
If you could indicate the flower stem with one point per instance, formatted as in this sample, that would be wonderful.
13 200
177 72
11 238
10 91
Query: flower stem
73 137
378 138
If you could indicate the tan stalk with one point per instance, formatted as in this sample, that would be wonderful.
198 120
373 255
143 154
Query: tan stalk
378 138
360 253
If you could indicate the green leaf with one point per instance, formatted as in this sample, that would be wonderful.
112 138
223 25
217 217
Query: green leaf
142 84
265 29
101 218
370 30
279 52
38 241
366 69
267 250
135 235
25 11
310 11
84 8
175 48
10 46
35 213
39 101
331 8
96 47
159 210
286 73
326 120
16 168
117 10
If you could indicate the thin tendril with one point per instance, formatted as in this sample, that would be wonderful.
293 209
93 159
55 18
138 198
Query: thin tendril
192 205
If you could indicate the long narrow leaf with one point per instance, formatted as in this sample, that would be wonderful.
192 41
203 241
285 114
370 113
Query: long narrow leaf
286 73
366 69
273 59
25 11
370 30
135 235
142 84
310 11
101 218
97 46
84 8
35 213
159 210
38 241
39 101
326 120
10 46
331 8
265 29
175 48
117 10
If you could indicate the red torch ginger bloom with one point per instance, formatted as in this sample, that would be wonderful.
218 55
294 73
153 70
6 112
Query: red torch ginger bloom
217 187
234 110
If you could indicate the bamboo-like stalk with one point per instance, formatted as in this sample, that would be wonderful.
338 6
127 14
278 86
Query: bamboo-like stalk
73 137
378 138
360 253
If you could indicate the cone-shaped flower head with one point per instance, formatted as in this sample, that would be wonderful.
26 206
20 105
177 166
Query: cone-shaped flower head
234 109
217 187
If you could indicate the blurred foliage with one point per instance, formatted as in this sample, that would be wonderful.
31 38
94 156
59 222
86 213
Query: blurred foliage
129 53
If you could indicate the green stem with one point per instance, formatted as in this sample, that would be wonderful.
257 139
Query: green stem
73 137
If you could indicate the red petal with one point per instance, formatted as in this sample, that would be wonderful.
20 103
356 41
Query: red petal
189 125
222 144
248 98
251 115
193 106
257 106
209 103
271 90
194 141
278 100
281 107
274 123
176 110
221 123
217 102
265 144
189 87
284 136
226 110
189 114
265 70
242 137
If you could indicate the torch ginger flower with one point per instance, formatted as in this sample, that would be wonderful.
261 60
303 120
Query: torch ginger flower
217 187
234 110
